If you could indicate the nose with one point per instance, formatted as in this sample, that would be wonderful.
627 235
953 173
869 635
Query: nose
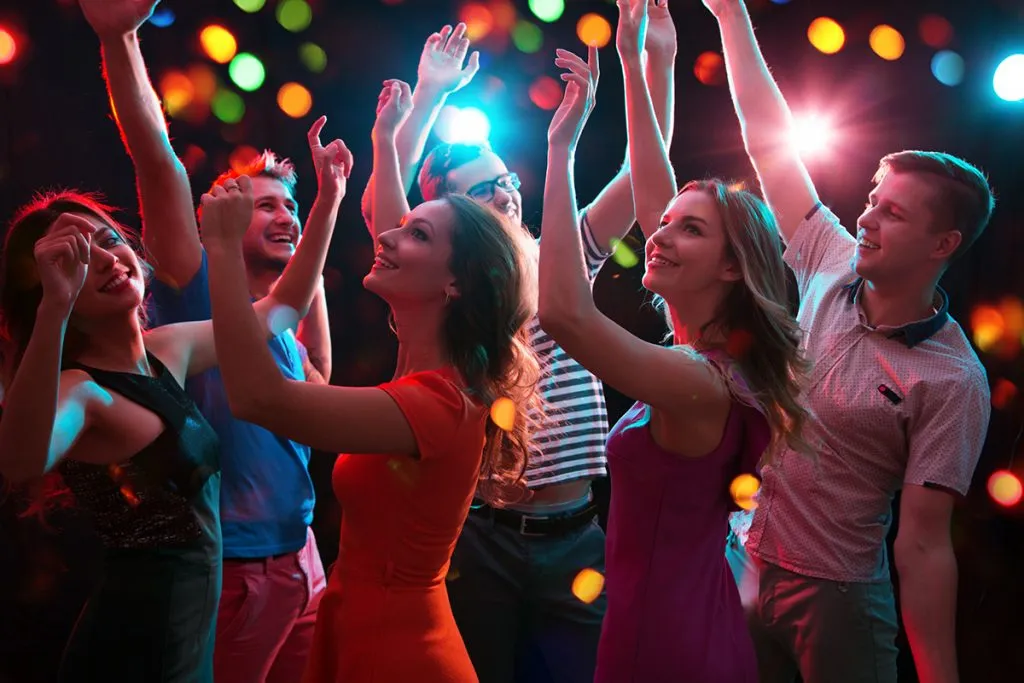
102 259
867 219
387 238
502 198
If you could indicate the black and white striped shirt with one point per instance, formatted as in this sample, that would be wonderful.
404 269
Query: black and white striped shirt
570 444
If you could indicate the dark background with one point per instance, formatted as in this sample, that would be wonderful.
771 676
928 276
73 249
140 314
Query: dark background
55 130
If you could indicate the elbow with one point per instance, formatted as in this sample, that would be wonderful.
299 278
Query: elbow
253 402
556 320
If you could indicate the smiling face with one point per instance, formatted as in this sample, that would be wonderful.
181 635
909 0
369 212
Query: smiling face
488 180
411 263
897 238
275 229
115 282
688 255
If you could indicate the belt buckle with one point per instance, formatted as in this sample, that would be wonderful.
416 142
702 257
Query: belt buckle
522 525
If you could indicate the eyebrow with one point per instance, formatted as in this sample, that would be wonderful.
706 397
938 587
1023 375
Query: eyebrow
286 200
899 207
420 221
668 218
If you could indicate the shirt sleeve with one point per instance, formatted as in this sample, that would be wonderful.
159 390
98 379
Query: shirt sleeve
169 304
947 432
435 408
593 254
821 245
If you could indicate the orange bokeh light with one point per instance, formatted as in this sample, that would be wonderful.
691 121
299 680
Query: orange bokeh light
1005 488
710 68
478 20
241 156
826 35
218 43
8 46
593 29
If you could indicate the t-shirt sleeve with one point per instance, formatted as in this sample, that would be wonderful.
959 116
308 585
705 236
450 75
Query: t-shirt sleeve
169 304
435 408
821 245
947 433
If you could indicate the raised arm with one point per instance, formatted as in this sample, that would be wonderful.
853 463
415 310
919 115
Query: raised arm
165 197
440 73
45 410
654 183
664 378
388 197
297 289
764 118
329 418
612 213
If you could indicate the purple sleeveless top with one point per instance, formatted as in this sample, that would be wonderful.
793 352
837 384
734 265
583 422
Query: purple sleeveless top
674 611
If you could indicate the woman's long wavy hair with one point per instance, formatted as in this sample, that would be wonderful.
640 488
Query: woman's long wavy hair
21 292
486 337
764 337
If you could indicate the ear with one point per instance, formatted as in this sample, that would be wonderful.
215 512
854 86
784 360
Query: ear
732 271
948 243
451 291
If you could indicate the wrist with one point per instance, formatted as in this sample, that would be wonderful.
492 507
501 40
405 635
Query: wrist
731 12
119 39
428 94
53 310
661 61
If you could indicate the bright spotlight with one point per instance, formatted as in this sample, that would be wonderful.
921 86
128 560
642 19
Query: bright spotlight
467 124
811 135
1008 80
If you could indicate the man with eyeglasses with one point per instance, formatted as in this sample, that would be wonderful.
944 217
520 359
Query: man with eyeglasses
512 572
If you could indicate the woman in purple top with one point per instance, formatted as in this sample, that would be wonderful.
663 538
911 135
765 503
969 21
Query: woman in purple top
709 407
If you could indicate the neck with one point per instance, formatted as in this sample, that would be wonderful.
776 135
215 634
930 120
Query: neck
419 339
688 323
116 345
261 280
897 304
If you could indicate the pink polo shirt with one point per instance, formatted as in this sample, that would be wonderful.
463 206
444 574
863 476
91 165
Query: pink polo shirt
889 406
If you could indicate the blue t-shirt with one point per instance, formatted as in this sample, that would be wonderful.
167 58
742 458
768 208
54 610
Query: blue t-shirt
266 495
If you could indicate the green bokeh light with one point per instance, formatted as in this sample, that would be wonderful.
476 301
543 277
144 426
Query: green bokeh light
547 10
227 106
527 37
313 56
294 15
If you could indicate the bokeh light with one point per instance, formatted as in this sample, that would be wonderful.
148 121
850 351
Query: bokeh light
987 327
587 585
710 68
1005 488
527 37
478 20
593 29
948 68
246 71
294 15
547 10
887 42
465 124
241 156
935 31
295 100
227 106
1008 80
250 6
504 13
8 46
503 413
546 93
162 17
218 43
743 490
1003 393
313 57
176 92
623 254
204 82
826 35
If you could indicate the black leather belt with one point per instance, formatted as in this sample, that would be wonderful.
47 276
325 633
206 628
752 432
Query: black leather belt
537 525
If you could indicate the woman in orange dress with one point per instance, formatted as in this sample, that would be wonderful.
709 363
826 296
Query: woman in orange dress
417 448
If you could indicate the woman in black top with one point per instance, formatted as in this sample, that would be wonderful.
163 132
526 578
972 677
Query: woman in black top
98 400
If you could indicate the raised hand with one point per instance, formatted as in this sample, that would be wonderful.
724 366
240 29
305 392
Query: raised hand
393 107
227 211
115 18
720 7
62 259
578 100
631 33
441 64
333 163
661 42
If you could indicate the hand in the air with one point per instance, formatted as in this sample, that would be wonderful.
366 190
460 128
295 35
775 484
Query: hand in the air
116 18
441 66
62 259
333 163
578 99
227 211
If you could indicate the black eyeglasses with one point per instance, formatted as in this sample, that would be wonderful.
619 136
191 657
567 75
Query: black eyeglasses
485 191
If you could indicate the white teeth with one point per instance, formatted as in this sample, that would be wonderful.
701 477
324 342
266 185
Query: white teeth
659 261
866 243
383 264
114 283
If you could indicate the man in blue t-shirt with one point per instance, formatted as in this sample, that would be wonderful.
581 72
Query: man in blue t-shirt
273 577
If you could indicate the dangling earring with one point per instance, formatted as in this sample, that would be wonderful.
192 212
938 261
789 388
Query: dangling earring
447 298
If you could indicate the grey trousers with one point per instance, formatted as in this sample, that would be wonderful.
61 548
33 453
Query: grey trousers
828 631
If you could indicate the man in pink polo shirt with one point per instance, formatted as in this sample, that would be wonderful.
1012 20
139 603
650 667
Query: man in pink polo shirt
898 400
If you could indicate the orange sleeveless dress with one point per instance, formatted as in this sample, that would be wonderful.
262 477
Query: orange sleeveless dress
384 617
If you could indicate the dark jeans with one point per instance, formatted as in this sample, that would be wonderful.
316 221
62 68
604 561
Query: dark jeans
512 599
150 619
828 631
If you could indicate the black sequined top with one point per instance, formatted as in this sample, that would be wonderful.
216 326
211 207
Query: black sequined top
166 496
